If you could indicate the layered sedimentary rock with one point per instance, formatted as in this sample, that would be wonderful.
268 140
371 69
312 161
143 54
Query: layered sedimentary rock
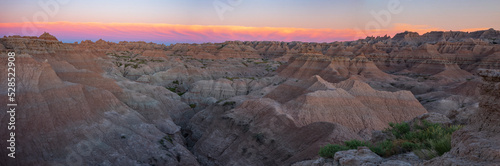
314 109
68 123
476 144
351 103
259 132
76 119
331 69
206 92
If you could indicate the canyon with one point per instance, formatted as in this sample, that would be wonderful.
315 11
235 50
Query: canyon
246 102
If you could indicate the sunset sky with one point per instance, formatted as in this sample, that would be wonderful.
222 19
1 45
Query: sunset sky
197 21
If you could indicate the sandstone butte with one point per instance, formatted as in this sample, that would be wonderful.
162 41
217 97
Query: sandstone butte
247 102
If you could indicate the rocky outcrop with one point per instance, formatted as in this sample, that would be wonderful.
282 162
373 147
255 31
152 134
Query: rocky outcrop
102 129
331 69
258 132
351 103
312 108
47 36
207 92
362 156
476 143
432 118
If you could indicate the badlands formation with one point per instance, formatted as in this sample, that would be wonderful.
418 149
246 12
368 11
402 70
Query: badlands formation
248 103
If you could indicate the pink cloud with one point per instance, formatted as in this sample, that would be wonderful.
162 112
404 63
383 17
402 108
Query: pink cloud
169 33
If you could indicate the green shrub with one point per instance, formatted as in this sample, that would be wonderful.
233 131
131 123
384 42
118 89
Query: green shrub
192 105
427 139
399 129
384 148
409 146
329 150
442 145
378 150
354 144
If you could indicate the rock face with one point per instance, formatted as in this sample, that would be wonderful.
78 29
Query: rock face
47 36
351 103
332 69
293 110
362 156
259 132
73 120
476 144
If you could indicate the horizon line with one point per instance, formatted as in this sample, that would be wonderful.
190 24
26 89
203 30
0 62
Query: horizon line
70 32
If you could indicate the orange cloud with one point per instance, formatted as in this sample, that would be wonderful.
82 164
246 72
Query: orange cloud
169 33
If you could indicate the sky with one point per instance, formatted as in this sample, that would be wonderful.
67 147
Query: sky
199 21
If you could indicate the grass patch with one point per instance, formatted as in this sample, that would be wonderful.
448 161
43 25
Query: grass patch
427 140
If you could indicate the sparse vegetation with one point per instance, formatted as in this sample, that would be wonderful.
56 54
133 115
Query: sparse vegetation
163 140
229 103
426 139
231 78
192 105
128 59
157 60
173 89
257 63
270 69
329 150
